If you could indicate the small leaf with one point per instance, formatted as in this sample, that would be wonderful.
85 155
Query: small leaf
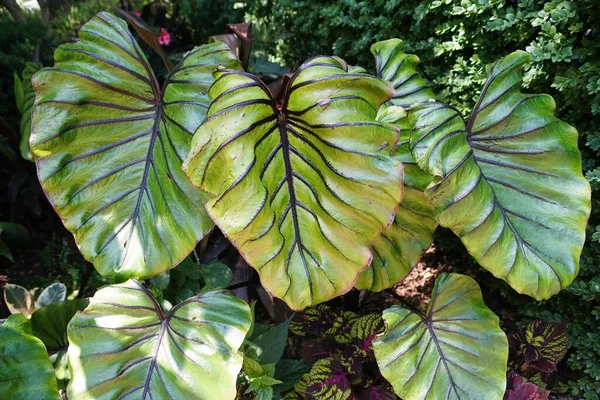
123 344
215 275
54 293
271 344
25 370
18 300
452 352
49 324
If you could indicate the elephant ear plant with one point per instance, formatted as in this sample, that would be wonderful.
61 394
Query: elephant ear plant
337 181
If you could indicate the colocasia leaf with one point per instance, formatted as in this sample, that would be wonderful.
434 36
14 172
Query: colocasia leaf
108 142
454 351
509 182
399 248
124 346
18 300
303 185
25 370
541 346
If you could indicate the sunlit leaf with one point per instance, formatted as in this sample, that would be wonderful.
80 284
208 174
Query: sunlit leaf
303 185
454 351
108 141
124 346
25 370
509 182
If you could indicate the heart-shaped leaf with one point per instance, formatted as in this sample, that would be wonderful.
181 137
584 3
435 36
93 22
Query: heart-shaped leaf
108 144
400 247
303 185
26 373
54 293
509 183
123 345
455 351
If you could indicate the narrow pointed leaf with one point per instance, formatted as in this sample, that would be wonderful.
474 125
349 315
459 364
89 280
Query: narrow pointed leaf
455 351
509 183
26 372
124 346
400 247
303 186
109 142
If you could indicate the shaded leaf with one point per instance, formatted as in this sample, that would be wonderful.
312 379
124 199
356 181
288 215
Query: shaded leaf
271 343
215 275
108 144
541 346
509 183
309 183
123 344
49 324
440 355
18 300
25 370
289 372
54 293
25 99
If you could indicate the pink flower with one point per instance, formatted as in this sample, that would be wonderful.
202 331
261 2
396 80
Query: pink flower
164 39
137 14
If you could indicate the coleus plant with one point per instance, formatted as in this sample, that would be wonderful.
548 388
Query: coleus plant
308 184
338 344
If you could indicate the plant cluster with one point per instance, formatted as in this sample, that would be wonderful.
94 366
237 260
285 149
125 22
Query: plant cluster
337 180
456 39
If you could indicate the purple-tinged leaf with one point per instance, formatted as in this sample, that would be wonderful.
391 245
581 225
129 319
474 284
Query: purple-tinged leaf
541 346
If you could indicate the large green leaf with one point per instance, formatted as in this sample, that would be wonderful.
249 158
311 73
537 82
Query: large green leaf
509 183
303 185
108 143
455 351
399 248
124 346
25 370
25 99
